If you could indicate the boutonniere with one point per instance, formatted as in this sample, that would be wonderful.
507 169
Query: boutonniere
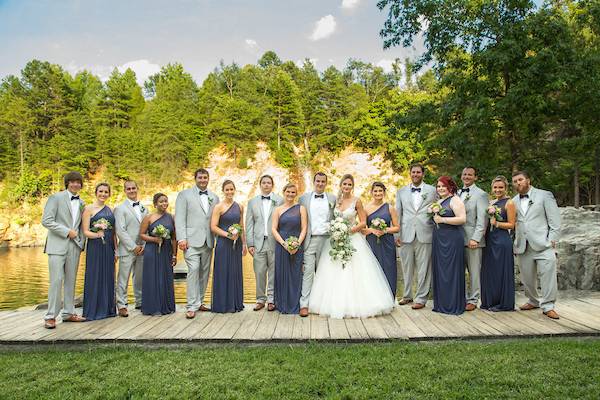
424 196
210 200
331 206
142 208
530 202
467 197
273 202
81 206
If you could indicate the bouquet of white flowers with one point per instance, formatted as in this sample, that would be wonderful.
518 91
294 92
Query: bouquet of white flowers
101 224
378 224
160 231
341 246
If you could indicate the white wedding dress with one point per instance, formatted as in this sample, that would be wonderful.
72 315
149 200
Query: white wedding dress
358 290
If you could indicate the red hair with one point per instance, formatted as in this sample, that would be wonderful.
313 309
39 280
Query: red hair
448 183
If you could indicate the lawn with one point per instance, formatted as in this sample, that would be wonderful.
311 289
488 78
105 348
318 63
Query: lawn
520 369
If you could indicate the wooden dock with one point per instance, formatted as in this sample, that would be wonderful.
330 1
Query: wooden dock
580 316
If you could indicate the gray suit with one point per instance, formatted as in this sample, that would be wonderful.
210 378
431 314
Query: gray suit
63 253
127 226
416 229
313 245
192 223
264 250
535 231
476 205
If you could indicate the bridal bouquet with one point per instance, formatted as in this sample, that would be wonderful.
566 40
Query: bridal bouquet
233 230
494 212
341 246
292 243
435 209
160 231
101 225
378 224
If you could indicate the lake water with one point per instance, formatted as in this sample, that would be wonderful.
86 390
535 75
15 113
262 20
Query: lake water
24 279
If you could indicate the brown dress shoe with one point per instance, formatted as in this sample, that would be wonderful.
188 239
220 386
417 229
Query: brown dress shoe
551 314
271 307
470 307
304 312
123 312
190 314
50 324
527 307
405 301
203 308
417 306
259 306
74 318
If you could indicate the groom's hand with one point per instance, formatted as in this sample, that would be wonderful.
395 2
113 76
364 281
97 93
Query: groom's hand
251 250
183 245
398 242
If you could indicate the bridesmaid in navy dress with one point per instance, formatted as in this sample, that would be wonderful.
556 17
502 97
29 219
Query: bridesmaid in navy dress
498 268
227 289
98 224
448 270
382 241
160 256
289 219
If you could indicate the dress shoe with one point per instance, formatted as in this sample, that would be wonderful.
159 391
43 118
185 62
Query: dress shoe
259 306
304 312
203 308
470 307
417 306
405 301
74 318
123 312
190 314
551 314
271 307
527 307
50 324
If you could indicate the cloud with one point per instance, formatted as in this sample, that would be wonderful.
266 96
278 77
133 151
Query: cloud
385 64
143 69
323 28
313 61
350 4
251 44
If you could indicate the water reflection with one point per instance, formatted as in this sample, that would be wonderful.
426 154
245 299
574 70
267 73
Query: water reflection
24 279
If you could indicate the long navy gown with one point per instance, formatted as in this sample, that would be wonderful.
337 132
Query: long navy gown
448 270
498 267
288 268
99 279
227 289
385 250
157 278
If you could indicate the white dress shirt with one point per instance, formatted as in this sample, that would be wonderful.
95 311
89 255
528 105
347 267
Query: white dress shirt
524 202
319 215
74 208
266 207
203 200
137 209
417 196
465 194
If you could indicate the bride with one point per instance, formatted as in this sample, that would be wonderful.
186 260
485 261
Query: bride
360 288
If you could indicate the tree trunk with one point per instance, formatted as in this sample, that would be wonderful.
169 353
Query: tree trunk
597 183
22 153
576 186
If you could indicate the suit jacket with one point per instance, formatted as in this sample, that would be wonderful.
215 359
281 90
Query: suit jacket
127 227
540 225
255 222
305 200
415 223
57 218
476 205
192 222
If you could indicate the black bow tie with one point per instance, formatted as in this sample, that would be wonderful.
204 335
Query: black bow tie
265 197
204 192
319 196
415 189
74 198
137 203
465 190
523 196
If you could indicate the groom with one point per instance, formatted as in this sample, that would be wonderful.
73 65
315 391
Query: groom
193 209
319 206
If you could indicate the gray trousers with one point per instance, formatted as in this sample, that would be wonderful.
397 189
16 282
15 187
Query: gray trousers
312 253
473 260
63 272
264 273
539 266
198 261
129 264
416 257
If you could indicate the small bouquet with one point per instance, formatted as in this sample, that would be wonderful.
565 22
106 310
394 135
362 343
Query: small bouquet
378 224
292 243
435 209
160 231
233 230
494 212
101 225
341 246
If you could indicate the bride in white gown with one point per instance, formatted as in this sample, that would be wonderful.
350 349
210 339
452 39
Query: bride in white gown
360 288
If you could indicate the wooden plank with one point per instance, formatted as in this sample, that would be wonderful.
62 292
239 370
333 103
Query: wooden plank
319 327
578 316
249 325
518 326
231 326
164 323
374 328
150 321
487 317
590 300
31 329
591 309
97 330
356 329
285 326
301 329
442 322
212 327
20 319
391 328
555 327
474 319
409 328
179 329
416 324
130 323
267 326
337 329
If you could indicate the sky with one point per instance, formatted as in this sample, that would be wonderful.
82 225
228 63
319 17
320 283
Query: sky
99 35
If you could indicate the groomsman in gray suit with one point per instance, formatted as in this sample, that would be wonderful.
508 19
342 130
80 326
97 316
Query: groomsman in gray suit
476 203
128 217
193 210
536 236
65 241
414 238
261 244
319 206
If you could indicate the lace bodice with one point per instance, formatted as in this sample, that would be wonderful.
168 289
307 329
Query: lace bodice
349 214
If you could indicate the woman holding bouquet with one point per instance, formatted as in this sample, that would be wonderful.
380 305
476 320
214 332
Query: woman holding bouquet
382 223
498 268
160 256
98 224
290 222
227 224
448 269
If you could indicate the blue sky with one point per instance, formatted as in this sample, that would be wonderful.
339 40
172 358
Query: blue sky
99 35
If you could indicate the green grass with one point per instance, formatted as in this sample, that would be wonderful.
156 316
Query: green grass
520 369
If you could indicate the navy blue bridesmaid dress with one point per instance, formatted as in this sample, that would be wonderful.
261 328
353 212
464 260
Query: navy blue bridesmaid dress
498 267
448 268
227 289
157 279
288 267
385 248
99 279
